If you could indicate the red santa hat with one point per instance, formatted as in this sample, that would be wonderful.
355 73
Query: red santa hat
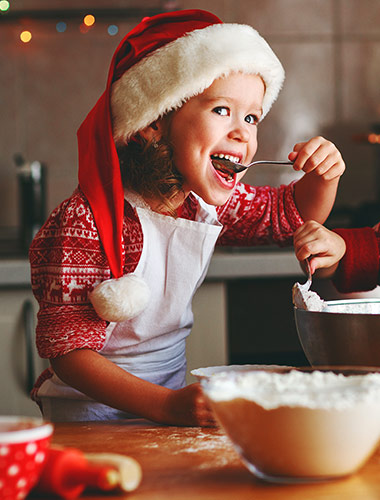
164 61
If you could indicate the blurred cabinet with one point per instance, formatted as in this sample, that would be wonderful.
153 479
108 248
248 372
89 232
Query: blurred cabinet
261 325
20 363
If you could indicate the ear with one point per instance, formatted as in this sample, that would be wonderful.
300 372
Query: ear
154 131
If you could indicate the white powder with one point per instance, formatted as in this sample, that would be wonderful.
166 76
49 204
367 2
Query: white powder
303 298
317 389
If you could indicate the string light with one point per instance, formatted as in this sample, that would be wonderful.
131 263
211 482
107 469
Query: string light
61 27
89 20
374 138
85 26
25 36
112 30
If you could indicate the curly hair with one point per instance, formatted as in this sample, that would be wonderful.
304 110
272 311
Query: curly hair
148 169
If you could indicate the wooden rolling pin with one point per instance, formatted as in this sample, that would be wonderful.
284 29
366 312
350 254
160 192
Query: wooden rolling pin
67 472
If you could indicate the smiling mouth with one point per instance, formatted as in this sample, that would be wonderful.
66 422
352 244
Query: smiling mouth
222 170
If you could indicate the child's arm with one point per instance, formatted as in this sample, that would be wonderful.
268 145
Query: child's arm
326 248
323 165
105 382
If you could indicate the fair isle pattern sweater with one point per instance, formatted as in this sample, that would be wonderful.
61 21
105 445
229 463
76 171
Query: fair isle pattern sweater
68 261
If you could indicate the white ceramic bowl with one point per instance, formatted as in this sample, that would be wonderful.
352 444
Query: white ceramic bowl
23 445
299 425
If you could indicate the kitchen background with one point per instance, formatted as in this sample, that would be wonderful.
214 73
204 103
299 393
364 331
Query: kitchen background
330 50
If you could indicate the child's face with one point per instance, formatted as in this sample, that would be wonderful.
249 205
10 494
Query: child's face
221 120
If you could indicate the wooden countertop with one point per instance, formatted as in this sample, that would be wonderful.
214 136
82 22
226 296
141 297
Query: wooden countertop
186 463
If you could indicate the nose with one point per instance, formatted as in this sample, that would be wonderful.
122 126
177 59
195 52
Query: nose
239 133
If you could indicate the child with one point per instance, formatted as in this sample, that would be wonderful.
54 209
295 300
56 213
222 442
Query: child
349 256
116 265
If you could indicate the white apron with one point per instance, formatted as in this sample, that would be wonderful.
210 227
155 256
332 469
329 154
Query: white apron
174 261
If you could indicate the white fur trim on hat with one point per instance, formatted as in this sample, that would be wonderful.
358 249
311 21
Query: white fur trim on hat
120 299
166 78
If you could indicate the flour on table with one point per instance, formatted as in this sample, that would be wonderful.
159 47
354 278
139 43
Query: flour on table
216 448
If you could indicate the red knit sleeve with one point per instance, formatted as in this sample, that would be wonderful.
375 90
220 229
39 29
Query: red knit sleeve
259 215
67 262
359 268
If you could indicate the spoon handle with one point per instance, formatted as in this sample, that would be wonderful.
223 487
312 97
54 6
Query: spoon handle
309 276
271 162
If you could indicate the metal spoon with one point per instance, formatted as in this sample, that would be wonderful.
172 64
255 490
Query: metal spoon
230 167
307 285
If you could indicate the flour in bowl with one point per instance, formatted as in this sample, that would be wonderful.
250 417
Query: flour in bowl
298 426
303 298
316 389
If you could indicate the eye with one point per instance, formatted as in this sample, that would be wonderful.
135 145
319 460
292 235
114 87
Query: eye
252 119
221 110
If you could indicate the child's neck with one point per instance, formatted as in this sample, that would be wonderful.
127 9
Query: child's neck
157 206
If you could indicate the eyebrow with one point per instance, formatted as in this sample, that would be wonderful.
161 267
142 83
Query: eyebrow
211 99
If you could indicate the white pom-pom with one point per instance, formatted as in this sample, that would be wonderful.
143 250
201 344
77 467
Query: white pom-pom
120 299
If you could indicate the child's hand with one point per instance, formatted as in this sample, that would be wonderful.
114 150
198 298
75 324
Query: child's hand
319 156
188 406
325 247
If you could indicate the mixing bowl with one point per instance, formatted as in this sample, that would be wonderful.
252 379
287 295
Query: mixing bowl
23 445
299 425
347 333
210 371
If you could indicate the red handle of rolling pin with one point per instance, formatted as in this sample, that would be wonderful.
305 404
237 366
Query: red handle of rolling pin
67 473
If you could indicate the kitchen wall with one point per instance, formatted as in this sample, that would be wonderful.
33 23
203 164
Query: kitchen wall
330 50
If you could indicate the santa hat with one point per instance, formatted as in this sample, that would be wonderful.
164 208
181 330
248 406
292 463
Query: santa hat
164 61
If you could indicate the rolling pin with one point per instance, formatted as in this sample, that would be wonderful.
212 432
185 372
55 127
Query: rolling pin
67 472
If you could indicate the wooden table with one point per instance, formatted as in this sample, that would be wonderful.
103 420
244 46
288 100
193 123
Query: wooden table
186 463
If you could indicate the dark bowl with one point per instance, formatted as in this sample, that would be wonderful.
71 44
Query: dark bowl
341 338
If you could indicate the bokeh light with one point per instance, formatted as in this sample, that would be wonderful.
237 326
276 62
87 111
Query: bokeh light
113 29
89 20
4 5
25 36
374 138
61 27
